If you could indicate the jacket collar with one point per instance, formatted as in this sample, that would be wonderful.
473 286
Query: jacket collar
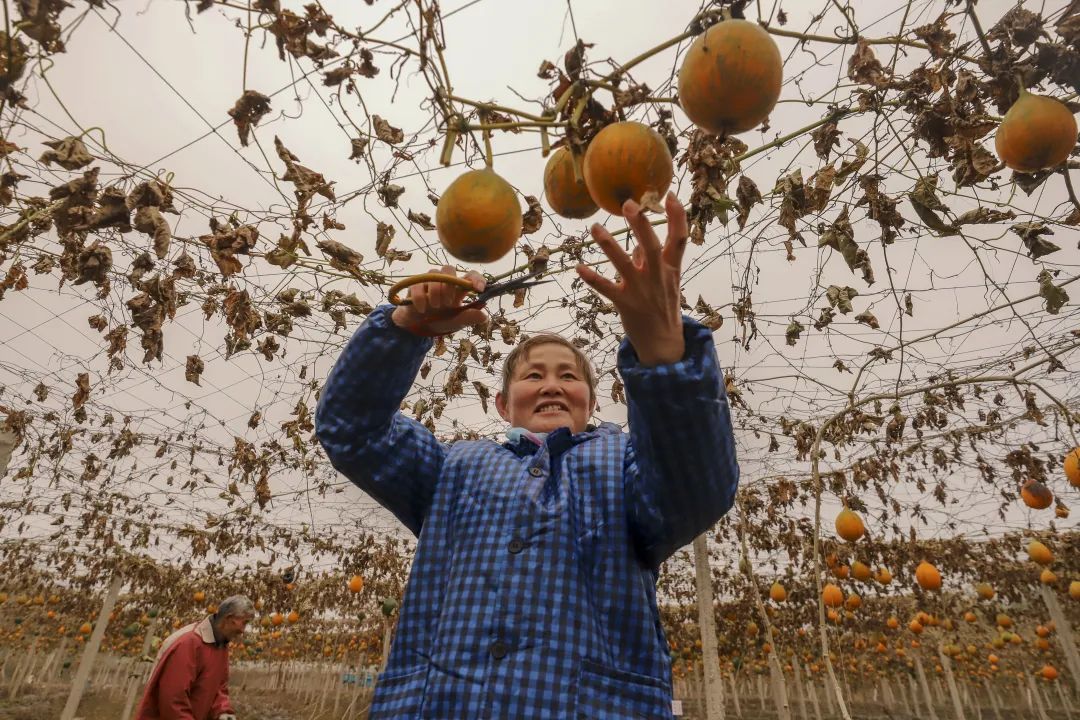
205 630
561 439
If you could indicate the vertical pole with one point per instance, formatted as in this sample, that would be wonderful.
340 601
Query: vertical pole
714 683
385 645
779 688
129 704
994 698
58 666
925 688
338 683
800 688
830 697
1064 635
914 695
811 690
22 670
1036 697
86 662
946 665
1064 701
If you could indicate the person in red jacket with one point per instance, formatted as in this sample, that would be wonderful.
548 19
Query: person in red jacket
190 679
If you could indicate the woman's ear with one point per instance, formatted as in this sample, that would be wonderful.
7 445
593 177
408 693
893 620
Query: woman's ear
500 405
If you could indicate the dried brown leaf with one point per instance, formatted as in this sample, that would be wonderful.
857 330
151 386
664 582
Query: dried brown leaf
384 235
82 391
248 110
193 369
148 219
341 256
421 219
533 218
387 132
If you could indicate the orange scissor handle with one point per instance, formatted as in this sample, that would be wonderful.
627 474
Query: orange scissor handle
400 285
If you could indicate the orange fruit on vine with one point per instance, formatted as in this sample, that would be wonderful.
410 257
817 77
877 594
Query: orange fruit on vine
832 595
971 617
1037 133
1042 631
1049 672
883 576
777 593
853 602
1004 621
199 596
293 617
277 619
860 571
915 626
564 186
892 623
1061 511
1074 589
849 525
356 584
1040 553
1047 577
627 161
928 576
730 77
86 628
985 591
478 218
1036 495
1072 467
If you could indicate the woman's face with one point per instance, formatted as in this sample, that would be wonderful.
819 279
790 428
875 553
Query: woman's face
547 390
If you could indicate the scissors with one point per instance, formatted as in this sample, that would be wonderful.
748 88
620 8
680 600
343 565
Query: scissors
481 299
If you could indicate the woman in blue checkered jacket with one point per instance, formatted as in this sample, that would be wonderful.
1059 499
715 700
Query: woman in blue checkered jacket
533 588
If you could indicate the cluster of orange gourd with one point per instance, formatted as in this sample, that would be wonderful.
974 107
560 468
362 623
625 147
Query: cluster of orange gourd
729 82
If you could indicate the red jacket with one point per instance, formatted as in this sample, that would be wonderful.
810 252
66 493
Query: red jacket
190 680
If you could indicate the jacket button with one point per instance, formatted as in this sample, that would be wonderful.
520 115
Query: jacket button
499 649
536 472
516 546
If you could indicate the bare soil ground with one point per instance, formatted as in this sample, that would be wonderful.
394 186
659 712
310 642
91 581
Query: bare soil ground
47 704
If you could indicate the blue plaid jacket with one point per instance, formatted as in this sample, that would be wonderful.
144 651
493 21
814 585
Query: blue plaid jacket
533 586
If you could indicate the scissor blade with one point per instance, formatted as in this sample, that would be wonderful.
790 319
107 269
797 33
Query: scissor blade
509 287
